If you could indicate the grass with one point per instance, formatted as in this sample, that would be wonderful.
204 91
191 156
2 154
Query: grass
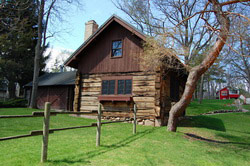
228 142
247 107
209 105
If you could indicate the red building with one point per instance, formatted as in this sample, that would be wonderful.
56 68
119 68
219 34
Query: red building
227 93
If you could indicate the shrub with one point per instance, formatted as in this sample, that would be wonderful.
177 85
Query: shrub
14 103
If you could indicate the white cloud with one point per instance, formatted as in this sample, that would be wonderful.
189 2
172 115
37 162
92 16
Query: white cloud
59 54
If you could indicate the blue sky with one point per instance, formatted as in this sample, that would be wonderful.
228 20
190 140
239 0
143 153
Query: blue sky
98 10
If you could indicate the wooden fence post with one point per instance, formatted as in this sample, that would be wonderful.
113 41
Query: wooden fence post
45 132
98 132
134 126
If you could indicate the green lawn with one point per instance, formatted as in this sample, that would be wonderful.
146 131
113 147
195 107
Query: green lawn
247 107
209 105
228 142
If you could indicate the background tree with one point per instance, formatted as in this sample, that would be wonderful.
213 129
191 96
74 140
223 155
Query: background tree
59 61
239 66
214 16
18 36
49 12
156 17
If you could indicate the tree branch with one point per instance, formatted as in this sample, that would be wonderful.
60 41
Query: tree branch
232 2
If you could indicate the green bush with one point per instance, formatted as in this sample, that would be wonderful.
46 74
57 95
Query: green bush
245 93
13 103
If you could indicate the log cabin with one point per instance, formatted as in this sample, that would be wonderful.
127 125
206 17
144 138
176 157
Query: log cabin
110 73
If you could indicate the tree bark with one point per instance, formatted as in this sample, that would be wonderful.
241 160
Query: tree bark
212 90
196 93
208 88
33 102
201 89
197 71
12 90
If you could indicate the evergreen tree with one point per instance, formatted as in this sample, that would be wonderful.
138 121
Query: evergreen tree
18 37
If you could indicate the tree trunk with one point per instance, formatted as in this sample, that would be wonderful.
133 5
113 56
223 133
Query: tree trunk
12 90
33 102
208 89
213 89
197 71
196 93
201 89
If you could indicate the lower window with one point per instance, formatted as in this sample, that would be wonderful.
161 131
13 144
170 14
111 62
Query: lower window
108 87
124 87
117 87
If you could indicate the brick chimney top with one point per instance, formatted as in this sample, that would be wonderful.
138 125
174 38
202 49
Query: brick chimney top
90 28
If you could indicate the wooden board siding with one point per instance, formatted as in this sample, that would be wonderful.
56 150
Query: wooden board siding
143 94
96 58
58 96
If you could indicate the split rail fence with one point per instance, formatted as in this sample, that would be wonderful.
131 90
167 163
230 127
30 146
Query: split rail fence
46 131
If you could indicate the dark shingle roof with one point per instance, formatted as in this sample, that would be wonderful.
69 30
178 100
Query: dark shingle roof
62 78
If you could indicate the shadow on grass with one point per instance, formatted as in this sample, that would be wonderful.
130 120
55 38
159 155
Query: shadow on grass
240 132
212 123
103 149
203 122
214 141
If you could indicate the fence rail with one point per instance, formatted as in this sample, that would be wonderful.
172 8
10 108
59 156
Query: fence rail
32 133
46 131
20 116
41 114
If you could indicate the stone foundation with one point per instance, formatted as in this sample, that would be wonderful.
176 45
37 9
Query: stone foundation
146 122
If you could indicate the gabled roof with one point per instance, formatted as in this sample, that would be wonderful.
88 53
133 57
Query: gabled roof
52 79
227 87
114 18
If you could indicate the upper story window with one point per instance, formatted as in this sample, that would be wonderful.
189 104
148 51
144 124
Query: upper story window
116 48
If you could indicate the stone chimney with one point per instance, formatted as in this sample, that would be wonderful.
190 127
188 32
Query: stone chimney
90 28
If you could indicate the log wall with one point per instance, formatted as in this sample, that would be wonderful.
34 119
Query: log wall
143 94
150 92
77 97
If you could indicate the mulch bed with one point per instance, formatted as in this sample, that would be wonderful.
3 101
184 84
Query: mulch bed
224 111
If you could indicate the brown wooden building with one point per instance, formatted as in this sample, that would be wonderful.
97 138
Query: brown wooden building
56 88
110 73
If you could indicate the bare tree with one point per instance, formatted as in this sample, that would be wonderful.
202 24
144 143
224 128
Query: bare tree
222 17
215 17
49 12
162 17
239 44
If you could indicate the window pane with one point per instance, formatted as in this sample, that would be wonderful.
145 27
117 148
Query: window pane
116 48
116 44
116 52
105 85
128 86
111 87
121 86
224 93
